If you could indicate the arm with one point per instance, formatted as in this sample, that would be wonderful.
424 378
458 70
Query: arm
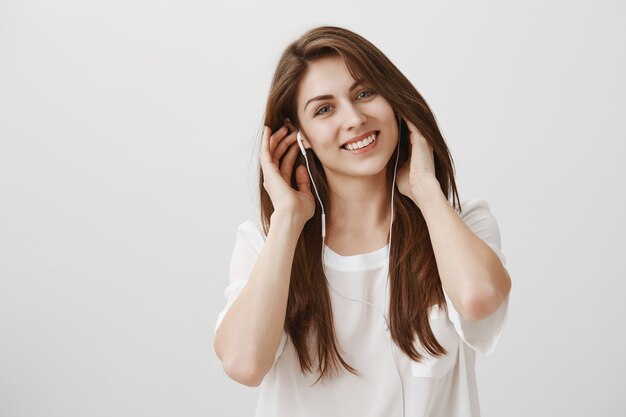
470 271
248 337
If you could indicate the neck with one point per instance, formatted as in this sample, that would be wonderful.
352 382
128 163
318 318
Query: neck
358 205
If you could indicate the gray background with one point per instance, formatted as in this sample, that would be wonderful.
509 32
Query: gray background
129 135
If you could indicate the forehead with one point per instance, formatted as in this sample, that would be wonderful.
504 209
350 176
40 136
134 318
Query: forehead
327 75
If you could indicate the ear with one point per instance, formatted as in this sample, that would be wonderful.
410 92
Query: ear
305 142
291 127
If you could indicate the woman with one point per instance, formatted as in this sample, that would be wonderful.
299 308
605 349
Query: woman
353 298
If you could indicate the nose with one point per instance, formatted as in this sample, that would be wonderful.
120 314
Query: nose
354 117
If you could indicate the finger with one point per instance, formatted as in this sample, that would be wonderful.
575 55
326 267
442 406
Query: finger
264 155
277 137
302 179
284 144
268 167
416 135
286 166
411 126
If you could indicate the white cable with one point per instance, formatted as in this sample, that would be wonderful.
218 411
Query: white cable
316 193
387 330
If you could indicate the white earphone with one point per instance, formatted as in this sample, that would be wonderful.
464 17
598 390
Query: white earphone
385 322
306 160
301 145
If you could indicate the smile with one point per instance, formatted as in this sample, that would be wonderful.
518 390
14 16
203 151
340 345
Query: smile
364 145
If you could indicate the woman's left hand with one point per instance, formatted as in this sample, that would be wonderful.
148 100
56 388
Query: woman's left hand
415 176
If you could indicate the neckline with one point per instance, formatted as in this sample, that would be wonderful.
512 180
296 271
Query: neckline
358 254
359 262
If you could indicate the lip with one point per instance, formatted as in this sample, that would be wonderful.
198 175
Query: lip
361 137
367 148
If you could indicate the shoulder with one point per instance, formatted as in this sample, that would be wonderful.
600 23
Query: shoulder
249 241
479 218
474 205
476 211
251 232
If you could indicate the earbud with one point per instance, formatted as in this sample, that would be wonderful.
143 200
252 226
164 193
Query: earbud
306 160
300 144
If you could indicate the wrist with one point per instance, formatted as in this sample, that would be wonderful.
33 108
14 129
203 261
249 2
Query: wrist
287 218
426 192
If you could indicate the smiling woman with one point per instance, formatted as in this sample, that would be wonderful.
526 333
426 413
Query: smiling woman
337 123
346 128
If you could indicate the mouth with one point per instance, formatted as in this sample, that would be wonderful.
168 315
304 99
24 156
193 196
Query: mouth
364 144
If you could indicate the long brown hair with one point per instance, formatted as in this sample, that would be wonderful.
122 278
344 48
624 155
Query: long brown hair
415 285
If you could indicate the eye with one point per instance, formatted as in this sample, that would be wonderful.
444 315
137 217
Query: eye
370 92
319 110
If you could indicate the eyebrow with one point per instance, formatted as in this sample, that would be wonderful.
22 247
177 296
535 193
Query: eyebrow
329 96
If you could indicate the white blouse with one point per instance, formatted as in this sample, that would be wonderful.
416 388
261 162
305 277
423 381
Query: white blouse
389 379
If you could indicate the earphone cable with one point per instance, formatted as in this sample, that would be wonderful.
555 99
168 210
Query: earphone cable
384 312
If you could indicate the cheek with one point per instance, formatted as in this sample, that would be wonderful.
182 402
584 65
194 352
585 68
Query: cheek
324 135
384 118
384 111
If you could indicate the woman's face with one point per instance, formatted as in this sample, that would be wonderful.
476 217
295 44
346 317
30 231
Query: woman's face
334 110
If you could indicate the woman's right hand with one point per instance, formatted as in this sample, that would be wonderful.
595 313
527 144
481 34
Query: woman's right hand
277 174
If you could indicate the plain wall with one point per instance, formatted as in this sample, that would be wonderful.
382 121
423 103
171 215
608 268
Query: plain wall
129 134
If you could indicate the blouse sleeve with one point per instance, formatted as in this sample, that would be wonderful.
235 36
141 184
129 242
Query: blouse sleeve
248 243
482 335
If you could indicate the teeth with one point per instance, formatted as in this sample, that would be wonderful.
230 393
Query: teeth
362 143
